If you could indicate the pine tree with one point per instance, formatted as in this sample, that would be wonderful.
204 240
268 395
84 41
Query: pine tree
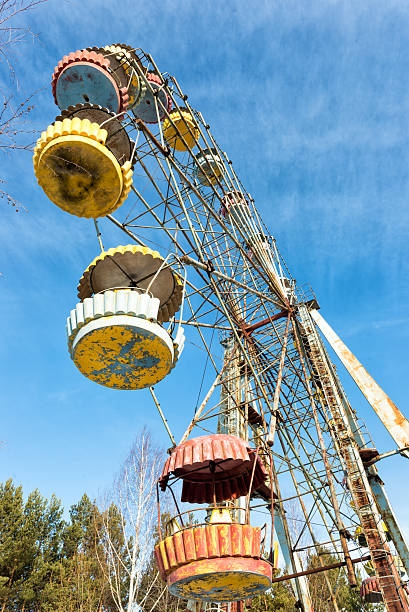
29 546
348 600
46 563
279 599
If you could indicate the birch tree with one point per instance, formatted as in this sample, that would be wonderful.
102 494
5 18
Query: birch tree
129 525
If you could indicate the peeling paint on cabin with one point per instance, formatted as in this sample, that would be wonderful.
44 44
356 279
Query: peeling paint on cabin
123 357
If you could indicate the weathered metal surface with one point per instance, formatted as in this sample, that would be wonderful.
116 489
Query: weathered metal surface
123 352
134 266
334 501
225 579
364 502
77 171
389 517
248 328
368 454
124 301
92 58
377 487
180 131
390 415
232 460
117 67
123 59
209 167
117 140
217 562
273 419
147 109
207 542
162 416
84 82
370 591
86 76
317 570
235 208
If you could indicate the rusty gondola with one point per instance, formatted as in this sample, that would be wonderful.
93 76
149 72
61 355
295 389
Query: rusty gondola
223 558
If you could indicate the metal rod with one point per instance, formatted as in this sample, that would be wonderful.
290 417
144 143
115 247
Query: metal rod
273 420
398 451
101 246
250 487
202 266
202 406
250 328
162 416
317 570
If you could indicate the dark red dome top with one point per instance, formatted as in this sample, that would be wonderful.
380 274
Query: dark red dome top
218 464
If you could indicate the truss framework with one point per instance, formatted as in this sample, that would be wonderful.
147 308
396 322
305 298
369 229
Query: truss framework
276 382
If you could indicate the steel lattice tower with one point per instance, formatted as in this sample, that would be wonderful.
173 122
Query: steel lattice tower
274 384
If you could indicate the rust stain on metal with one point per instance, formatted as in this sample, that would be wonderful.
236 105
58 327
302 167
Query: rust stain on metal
207 542
390 415
222 579
248 328
232 463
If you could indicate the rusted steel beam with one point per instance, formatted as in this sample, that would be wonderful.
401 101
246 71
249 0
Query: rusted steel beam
141 125
389 580
273 419
339 522
250 328
207 268
316 570
389 517
390 415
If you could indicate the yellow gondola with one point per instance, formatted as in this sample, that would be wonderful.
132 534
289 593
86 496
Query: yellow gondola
181 124
78 172
114 339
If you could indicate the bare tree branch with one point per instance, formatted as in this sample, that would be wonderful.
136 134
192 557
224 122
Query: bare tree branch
13 114
127 552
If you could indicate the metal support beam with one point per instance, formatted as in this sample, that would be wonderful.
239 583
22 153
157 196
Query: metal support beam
389 518
364 501
375 482
316 570
390 415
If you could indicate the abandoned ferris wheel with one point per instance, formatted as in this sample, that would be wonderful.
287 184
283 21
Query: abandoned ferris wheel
275 416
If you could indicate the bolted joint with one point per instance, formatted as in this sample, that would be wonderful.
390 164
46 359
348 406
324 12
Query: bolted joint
209 266
346 534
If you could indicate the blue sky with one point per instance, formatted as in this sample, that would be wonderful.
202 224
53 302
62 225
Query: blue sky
311 102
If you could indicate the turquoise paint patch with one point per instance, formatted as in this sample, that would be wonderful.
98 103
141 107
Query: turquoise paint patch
129 366
86 83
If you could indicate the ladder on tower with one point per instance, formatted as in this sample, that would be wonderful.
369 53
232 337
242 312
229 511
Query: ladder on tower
389 580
